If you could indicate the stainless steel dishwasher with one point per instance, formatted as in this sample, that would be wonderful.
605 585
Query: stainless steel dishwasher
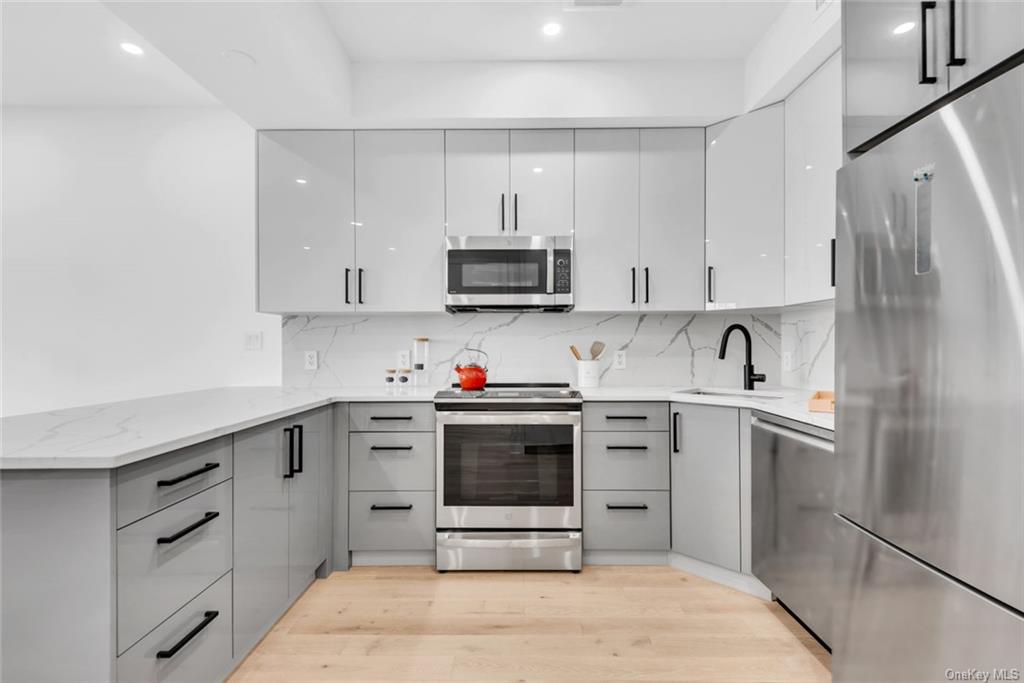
792 496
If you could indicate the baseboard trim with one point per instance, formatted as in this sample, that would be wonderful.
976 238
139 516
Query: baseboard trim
625 557
727 577
393 558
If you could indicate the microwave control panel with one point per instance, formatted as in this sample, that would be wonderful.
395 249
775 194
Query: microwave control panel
563 271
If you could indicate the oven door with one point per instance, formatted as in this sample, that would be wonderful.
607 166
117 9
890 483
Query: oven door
504 271
508 470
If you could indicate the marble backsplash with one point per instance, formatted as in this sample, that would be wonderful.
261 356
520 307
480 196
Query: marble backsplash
808 335
661 349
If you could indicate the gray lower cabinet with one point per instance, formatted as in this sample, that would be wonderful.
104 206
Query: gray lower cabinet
392 461
613 416
392 417
626 520
391 520
625 461
706 484
192 645
306 548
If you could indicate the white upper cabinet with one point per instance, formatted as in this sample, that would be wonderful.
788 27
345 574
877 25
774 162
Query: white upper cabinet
305 214
477 196
982 34
399 188
606 245
671 261
745 211
541 172
814 152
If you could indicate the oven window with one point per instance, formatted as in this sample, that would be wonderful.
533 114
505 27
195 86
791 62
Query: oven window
508 465
497 271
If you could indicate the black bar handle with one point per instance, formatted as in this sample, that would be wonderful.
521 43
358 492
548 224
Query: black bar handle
626 448
503 212
208 617
711 284
953 59
625 507
359 285
391 507
390 448
188 475
633 271
289 432
300 449
625 417
675 431
391 417
515 212
647 285
925 78
207 518
348 297
832 276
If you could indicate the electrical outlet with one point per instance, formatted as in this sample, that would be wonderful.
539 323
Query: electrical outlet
787 361
253 341
310 360
619 362
403 359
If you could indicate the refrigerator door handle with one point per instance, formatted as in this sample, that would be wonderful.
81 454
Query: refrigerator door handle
926 78
923 219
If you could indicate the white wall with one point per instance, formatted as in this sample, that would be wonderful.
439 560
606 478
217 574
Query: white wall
809 340
128 256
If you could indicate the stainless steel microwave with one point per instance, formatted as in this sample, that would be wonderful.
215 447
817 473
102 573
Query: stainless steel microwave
495 273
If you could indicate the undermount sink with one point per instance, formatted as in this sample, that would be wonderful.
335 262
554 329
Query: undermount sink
737 393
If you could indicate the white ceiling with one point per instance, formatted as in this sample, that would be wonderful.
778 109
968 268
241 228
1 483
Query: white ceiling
67 54
499 30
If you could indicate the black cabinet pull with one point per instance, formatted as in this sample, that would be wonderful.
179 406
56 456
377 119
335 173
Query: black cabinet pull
289 434
300 449
207 518
633 272
675 432
391 507
359 285
647 285
711 284
515 212
503 212
625 507
925 79
208 617
391 417
626 448
188 475
953 59
832 268
348 297
390 448
625 417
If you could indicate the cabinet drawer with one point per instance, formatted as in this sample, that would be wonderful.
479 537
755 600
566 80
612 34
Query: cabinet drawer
626 460
408 526
387 461
391 417
159 570
625 417
626 520
151 485
206 656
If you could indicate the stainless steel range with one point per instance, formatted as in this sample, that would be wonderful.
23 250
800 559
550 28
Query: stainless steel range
508 478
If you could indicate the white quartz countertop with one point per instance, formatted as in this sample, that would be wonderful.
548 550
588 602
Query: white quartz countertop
111 435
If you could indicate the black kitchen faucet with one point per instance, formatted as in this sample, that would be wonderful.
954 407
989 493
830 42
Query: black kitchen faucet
749 376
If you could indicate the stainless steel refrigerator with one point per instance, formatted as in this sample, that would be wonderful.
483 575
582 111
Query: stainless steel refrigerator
929 560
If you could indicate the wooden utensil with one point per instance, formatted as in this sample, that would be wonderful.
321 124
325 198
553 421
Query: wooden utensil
575 352
596 349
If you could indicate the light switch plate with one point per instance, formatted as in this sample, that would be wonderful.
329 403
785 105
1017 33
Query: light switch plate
403 359
310 360
787 361
253 341
619 362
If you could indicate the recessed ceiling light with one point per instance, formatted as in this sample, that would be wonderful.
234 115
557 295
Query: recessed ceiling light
552 28
808 167
819 244
301 181
132 49
714 141
538 169
306 248
904 27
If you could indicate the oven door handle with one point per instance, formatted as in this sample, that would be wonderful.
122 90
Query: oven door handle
509 417
453 541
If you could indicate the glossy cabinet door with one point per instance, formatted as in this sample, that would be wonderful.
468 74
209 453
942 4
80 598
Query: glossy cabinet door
884 74
399 181
706 483
745 211
305 213
261 532
671 266
477 196
814 152
607 199
305 552
983 33
541 172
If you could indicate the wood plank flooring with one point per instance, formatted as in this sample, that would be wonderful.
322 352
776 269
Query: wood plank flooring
604 624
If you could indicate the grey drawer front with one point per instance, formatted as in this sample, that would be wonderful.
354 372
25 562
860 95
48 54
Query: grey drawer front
411 529
155 579
147 486
392 417
599 416
616 529
206 657
626 460
391 461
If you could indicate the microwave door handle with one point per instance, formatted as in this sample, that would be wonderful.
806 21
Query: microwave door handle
551 271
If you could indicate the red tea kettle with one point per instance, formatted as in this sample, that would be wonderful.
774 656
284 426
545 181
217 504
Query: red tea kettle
472 377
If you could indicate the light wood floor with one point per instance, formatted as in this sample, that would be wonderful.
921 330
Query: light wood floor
605 624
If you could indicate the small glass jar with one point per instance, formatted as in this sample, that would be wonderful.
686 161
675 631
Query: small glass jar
404 379
390 377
